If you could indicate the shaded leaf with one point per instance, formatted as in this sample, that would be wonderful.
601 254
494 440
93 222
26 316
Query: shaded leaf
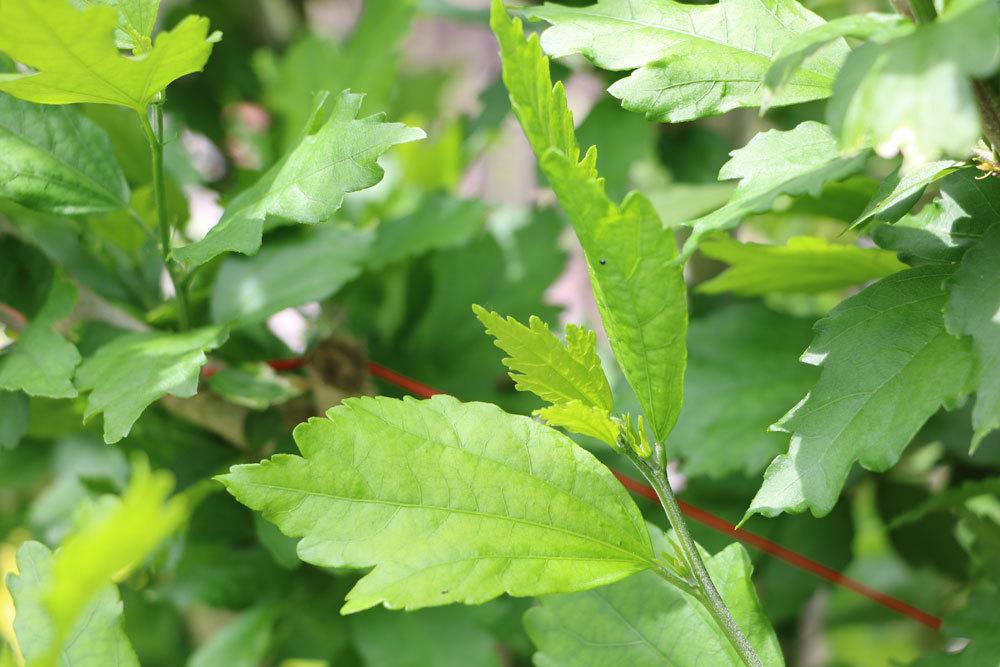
900 191
949 498
128 374
255 387
977 622
56 160
440 222
13 418
77 60
805 265
691 60
794 162
309 184
242 642
450 502
379 634
41 362
888 365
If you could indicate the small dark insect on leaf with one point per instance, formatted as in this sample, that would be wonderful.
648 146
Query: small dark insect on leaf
445 592
603 262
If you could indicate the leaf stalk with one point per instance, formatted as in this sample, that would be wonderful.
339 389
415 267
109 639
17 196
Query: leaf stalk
154 137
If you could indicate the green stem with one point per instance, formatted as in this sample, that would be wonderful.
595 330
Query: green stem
154 136
707 593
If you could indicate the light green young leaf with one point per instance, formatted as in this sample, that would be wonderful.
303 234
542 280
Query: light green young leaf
128 374
56 160
243 642
449 502
308 266
900 191
638 286
646 622
744 357
542 364
977 622
805 265
943 230
893 95
584 419
136 20
799 48
795 162
117 536
308 185
99 639
13 418
41 362
256 387
973 304
77 60
379 634
692 60
888 365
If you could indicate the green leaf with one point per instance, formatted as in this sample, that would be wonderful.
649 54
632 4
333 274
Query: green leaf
977 622
796 51
949 498
77 60
794 162
692 60
888 365
41 362
116 536
255 387
893 95
900 191
638 286
136 20
440 222
308 185
943 230
242 642
973 303
805 265
13 418
128 374
449 502
379 634
56 160
542 364
744 357
646 622
584 419
308 265
99 637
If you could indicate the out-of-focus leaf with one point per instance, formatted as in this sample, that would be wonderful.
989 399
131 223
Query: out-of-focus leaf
131 372
309 185
977 622
41 362
945 228
888 365
99 638
56 160
805 265
243 642
646 622
13 418
971 310
795 162
691 60
501 496
380 633
440 222
625 139
949 498
926 76
797 50
77 60
899 192
744 357
255 387
307 265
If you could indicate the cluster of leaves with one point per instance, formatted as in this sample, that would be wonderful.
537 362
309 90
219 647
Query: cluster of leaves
865 236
